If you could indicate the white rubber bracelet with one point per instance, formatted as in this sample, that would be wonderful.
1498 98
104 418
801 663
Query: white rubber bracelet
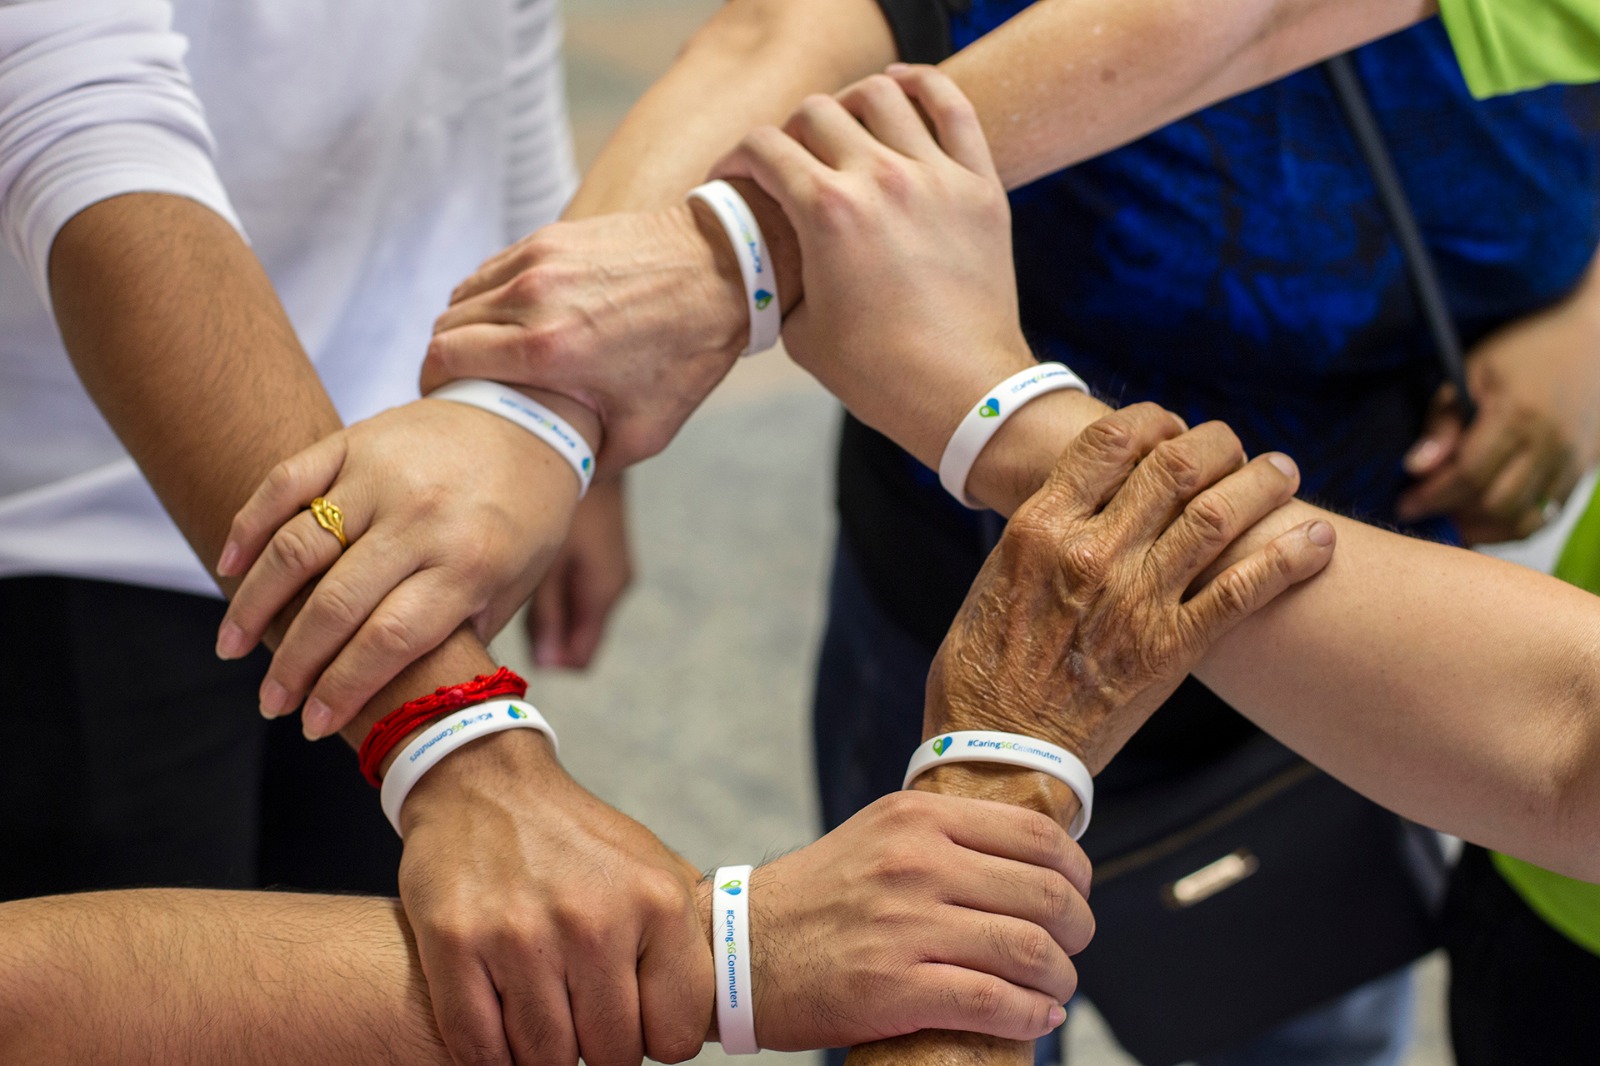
985 420
755 263
448 734
532 416
730 918
1012 749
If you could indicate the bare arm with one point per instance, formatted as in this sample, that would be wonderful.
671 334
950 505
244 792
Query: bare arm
1066 80
1459 690
865 932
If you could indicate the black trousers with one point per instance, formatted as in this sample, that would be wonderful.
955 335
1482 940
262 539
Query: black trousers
1520 992
132 756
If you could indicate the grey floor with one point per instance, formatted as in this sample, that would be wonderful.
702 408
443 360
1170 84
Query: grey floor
693 719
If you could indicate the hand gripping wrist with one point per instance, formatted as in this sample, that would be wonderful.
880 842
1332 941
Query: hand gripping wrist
447 734
755 261
1011 749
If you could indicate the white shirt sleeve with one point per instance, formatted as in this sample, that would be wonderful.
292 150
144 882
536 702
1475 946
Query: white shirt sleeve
95 102
540 173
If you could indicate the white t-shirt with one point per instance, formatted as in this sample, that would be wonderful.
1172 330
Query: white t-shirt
373 151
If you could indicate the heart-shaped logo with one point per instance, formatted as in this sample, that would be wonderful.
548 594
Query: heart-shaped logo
763 298
941 745
990 408
517 712
733 888
587 463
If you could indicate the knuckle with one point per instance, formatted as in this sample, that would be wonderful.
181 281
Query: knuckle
1057 893
334 606
988 1002
1177 465
1030 532
1034 950
1212 518
529 286
394 636
293 552
892 177
1112 437
280 480
662 894
1085 562
1237 593
441 352
834 205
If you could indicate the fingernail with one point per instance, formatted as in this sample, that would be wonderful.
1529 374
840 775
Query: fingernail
1320 534
1284 464
229 560
895 68
315 719
546 653
231 641
1424 455
1058 1015
274 699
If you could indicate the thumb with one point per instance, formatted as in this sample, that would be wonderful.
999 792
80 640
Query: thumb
1441 433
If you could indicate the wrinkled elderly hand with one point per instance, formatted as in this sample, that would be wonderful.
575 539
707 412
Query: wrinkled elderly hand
637 316
920 911
1097 602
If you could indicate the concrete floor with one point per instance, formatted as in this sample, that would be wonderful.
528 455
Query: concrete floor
693 719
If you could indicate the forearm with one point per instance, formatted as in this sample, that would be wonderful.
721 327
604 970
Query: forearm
750 64
1453 688
198 977
177 334
1066 80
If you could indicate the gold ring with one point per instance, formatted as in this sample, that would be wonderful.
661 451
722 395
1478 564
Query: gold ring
329 517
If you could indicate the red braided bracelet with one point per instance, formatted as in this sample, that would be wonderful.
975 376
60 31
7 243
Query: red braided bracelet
412 715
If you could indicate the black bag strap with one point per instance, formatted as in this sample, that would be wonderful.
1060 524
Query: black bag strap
1352 97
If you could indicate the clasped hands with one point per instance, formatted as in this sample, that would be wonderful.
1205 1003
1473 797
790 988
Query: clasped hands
904 236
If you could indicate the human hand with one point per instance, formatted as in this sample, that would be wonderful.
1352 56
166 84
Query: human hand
570 608
548 924
1097 602
1537 387
905 244
637 316
921 911
452 514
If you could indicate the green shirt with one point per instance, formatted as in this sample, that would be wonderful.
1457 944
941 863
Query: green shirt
1572 907
1505 46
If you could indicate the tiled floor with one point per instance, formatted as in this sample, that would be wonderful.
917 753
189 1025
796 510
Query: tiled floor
694 718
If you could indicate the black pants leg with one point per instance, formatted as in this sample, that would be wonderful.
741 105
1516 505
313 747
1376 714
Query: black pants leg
133 756
1520 992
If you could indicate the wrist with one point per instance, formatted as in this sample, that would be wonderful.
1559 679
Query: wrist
1005 784
1016 463
482 772
726 319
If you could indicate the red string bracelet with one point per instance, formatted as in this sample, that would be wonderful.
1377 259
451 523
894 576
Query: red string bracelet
412 715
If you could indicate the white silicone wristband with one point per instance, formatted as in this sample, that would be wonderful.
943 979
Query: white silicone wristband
1012 749
730 917
531 415
448 734
985 420
755 262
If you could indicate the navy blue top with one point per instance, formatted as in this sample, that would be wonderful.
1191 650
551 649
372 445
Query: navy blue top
1238 265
